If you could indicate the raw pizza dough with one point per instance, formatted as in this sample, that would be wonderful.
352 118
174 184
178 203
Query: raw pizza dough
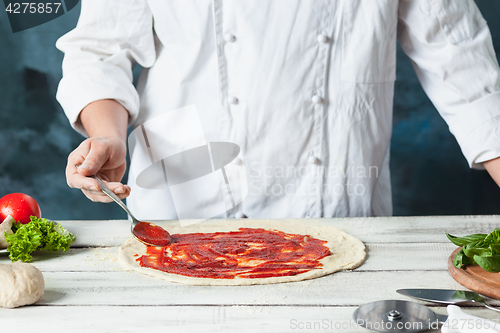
20 284
347 251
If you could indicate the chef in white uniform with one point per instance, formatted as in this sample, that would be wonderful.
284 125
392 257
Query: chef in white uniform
303 88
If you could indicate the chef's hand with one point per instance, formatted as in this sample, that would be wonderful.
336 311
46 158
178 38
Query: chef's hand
103 153
104 157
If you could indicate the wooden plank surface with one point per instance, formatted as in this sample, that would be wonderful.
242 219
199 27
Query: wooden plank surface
265 319
88 291
130 288
373 229
381 256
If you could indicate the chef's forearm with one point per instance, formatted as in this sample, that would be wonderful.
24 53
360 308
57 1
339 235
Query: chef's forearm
493 167
105 118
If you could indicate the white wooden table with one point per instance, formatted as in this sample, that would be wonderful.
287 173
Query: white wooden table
86 290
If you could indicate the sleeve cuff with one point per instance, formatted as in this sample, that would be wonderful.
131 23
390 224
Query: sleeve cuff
483 143
88 84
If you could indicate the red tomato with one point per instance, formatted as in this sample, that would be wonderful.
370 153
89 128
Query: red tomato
20 206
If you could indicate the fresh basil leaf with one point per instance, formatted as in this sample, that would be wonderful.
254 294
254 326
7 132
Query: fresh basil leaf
493 237
490 264
460 295
476 249
495 249
462 260
458 261
461 241
467 261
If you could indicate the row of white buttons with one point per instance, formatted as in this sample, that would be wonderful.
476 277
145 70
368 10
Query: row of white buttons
322 39
316 99
230 38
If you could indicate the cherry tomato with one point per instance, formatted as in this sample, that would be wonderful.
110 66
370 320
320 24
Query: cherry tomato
20 206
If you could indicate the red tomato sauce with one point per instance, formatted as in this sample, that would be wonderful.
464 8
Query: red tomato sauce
247 253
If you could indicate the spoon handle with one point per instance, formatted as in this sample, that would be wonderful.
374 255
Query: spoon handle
113 196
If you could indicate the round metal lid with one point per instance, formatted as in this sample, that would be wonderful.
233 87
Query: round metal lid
394 316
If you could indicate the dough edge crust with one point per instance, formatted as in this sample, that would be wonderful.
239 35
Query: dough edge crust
348 252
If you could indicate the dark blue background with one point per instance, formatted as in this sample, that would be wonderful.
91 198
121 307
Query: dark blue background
429 174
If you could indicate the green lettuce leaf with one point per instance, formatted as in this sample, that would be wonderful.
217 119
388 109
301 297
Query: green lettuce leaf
40 234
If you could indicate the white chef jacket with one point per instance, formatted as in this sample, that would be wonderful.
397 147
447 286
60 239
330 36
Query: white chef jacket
304 88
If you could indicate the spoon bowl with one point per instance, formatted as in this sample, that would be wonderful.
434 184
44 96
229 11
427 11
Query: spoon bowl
148 233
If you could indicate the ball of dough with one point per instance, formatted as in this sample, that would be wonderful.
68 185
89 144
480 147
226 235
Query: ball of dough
20 284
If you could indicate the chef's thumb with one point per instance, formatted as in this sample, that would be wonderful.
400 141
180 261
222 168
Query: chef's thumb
93 162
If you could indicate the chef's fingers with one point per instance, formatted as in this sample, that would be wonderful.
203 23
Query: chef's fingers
98 153
92 189
92 154
99 196
121 190
75 159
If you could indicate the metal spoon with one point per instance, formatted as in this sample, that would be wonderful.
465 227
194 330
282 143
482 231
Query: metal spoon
146 232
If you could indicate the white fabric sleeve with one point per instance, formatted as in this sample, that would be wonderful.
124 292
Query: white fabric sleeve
450 45
110 38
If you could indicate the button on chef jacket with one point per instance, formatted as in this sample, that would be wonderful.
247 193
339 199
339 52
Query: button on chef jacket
304 88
